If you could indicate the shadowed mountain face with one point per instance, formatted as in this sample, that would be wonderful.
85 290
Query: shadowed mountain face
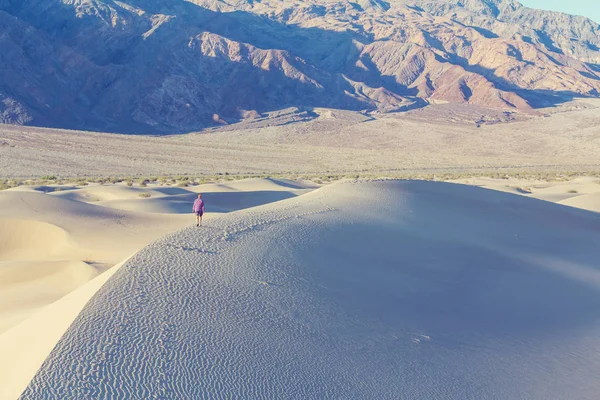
176 66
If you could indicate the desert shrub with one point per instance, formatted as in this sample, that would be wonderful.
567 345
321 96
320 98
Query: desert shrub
48 178
145 194
182 184
572 191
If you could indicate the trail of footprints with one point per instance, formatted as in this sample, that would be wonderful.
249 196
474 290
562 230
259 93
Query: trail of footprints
130 339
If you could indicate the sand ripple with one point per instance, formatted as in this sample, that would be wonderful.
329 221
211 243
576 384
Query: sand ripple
380 290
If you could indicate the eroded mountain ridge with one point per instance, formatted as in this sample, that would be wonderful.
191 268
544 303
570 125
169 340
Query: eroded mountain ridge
175 66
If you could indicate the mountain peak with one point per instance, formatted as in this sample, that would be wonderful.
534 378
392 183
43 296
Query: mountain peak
147 65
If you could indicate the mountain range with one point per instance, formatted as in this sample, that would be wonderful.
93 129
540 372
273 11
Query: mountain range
163 66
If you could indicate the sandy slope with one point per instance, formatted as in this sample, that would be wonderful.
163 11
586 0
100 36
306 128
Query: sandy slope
49 246
223 197
24 348
52 243
372 290
583 192
586 201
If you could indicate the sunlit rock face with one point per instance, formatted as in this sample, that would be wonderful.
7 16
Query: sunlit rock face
171 66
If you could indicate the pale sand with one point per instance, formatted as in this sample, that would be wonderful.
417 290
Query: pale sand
24 348
52 243
586 201
356 290
41 252
582 192
49 246
62 230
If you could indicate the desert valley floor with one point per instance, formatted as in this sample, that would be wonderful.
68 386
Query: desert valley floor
439 138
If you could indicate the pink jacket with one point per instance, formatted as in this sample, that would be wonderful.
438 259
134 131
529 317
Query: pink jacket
198 205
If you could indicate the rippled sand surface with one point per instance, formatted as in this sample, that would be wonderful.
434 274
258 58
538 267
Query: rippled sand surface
356 290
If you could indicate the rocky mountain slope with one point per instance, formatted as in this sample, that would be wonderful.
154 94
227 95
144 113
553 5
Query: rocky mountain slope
176 66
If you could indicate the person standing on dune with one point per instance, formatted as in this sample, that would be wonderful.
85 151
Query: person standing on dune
198 209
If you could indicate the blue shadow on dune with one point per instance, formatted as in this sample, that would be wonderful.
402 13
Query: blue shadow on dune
218 202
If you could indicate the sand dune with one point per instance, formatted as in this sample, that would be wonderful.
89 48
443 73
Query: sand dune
24 348
49 246
99 193
52 242
267 184
90 228
222 197
38 264
220 202
41 257
28 286
589 202
580 192
26 239
372 290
